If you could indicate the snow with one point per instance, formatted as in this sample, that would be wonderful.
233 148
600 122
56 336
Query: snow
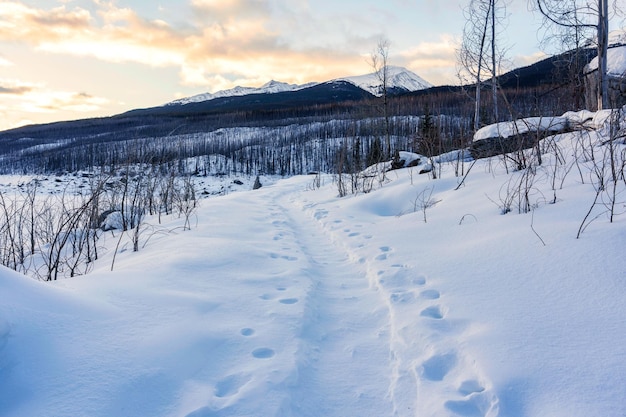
291 301
270 87
615 56
521 126
398 78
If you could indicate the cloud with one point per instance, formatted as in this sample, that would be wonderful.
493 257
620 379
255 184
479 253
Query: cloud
225 43
5 62
15 87
17 95
435 61
14 90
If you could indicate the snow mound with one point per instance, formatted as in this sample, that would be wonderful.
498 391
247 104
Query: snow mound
521 126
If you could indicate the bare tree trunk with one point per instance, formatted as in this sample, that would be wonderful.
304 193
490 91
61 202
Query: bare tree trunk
603 41
494 79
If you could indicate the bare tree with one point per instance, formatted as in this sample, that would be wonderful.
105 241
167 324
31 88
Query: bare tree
582 19
379 61
479 54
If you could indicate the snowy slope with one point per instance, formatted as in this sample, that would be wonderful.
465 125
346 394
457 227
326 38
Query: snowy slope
398 78
290 301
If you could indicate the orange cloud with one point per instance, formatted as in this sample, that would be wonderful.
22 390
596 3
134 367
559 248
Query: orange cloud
229 42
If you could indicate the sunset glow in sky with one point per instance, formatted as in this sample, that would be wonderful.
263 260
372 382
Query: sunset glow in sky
72 59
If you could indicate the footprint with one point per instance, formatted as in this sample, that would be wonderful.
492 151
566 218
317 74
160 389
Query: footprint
381 257
288 301
246 331
281 289
231 385
385 248
266 297
438 366
354 234
402 297
430 294
470 387
476 406
421 280
400 279
263 353
433 312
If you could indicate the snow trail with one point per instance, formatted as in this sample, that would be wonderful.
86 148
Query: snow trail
343 354
427 370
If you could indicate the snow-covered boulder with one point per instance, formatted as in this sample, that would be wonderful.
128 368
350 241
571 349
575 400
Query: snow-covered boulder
506 137
616 73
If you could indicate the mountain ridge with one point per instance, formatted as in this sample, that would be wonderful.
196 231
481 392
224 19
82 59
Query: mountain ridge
400 80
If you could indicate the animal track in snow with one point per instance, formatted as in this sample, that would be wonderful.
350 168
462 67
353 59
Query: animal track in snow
288 301
286 257
433 312
400 279
476 406
231 385
263 353
430 294
470 387
246 331
437 367
402 297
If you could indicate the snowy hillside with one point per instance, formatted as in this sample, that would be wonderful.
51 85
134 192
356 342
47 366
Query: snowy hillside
399 79
414 299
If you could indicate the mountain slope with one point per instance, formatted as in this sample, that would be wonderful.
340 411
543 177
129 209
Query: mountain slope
400 80
269 88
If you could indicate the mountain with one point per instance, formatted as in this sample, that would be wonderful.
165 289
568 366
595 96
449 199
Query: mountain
269 88
401 80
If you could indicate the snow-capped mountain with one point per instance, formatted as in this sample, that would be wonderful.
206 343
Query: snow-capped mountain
399 79
268 88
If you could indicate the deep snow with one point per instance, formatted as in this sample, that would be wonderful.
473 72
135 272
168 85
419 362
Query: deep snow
290 301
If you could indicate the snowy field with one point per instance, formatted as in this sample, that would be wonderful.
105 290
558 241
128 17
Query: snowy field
415 299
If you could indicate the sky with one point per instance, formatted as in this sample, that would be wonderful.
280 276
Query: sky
74 59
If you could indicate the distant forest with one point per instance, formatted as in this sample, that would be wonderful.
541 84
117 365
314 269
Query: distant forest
287 133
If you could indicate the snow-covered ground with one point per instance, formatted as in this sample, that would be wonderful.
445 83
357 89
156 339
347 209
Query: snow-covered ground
411 300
